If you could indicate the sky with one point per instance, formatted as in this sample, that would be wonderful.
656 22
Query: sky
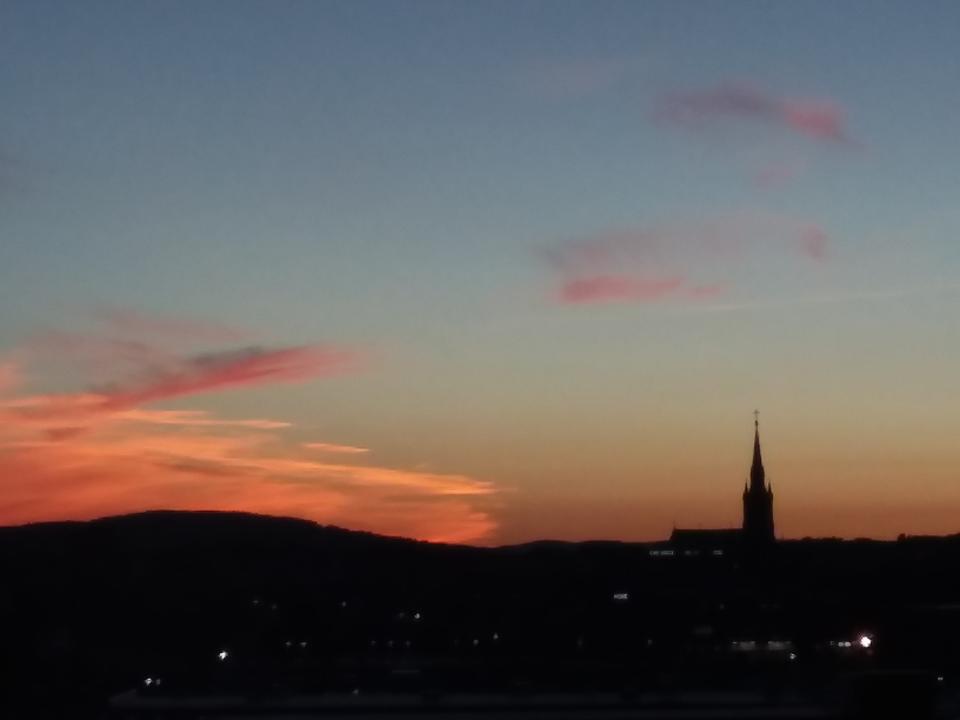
482 272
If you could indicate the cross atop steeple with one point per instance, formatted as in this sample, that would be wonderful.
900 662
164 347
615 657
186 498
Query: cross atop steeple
757 479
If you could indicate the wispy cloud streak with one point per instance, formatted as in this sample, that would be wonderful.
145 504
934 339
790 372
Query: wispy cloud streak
336 449
822 120
835 298
683 262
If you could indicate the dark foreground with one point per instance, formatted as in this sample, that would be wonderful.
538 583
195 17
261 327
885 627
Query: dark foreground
228 615
559 705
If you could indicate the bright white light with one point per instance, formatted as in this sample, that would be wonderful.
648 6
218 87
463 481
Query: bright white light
148 682
416 616
621 596
865 641
223 655
793 656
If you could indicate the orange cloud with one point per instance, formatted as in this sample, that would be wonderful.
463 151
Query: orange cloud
88 454
195 418
118 467
334 448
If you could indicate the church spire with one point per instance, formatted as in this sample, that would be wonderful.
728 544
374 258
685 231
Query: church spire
758 498
757 475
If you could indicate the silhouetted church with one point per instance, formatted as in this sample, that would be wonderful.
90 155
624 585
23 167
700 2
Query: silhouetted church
757 499
757 531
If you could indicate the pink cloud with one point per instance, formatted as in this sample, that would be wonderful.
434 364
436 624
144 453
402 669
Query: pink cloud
683 262
818 119
813 243
156 374
778 173
627 288
245 367
607 288
180 377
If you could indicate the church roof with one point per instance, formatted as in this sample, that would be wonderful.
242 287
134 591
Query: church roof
705 538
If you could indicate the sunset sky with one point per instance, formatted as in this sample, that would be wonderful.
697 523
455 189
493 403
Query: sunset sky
482 272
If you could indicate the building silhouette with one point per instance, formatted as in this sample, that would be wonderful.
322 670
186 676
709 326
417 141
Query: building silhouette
757 530
757 499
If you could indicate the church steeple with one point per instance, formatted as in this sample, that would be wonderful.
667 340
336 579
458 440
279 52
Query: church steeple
757 475
757 498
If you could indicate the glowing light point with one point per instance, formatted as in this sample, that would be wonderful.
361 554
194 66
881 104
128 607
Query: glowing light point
865 641
223 655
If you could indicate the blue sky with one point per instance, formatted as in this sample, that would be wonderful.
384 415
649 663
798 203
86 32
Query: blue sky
394 177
